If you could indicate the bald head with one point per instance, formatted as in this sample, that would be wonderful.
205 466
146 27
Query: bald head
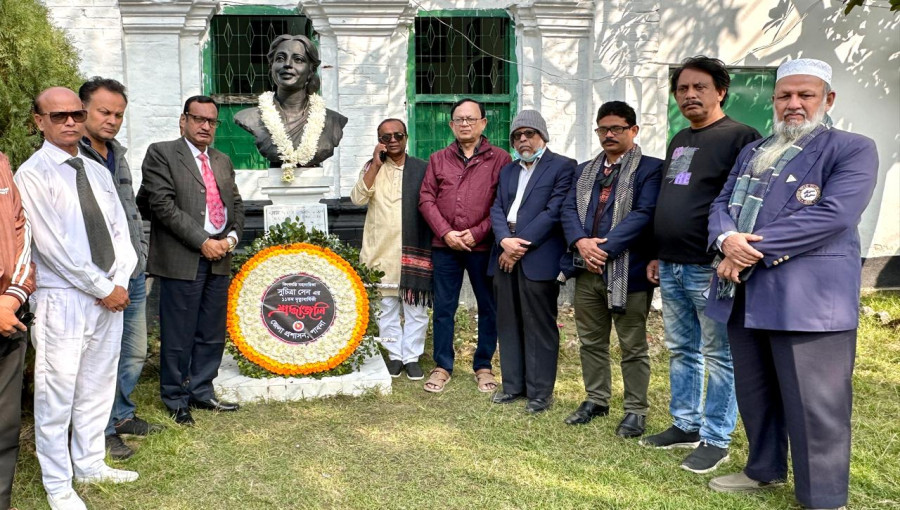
60 115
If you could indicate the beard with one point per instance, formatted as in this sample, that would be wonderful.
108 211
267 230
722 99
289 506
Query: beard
786 134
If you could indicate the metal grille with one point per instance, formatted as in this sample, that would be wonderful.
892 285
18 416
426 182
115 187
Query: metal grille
238 46
456 57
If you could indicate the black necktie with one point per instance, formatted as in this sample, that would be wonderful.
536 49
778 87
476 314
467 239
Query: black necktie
102 252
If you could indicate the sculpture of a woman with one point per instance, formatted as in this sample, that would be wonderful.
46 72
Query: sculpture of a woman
292 126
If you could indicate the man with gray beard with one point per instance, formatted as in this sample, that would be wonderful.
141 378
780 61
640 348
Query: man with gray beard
788 278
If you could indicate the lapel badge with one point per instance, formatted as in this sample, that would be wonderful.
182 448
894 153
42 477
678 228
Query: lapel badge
791 178
809 194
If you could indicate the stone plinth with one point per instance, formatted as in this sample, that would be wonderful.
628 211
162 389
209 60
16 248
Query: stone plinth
230 385
305 189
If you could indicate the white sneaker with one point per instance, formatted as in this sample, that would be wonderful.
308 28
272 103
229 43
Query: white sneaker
108 474
66 501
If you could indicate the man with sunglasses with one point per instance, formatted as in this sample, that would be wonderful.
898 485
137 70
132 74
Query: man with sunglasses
196 219
607 220
105 101
16 284
529 244
456 198
389 183
83 260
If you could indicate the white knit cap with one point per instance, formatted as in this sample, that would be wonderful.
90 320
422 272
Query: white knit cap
809 66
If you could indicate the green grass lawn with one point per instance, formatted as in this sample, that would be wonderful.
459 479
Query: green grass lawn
456 450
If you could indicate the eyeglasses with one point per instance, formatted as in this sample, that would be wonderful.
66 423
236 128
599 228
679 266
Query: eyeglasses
518 134
201 120
385 138
78 116
616 130
463 122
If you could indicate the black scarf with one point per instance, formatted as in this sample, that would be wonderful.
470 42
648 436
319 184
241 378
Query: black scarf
415 260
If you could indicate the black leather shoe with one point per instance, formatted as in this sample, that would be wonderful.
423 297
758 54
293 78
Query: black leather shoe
586 412
538 405
182 416
213 404
505 398
632 425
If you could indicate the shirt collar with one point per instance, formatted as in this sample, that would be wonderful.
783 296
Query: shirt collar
194 150
58 155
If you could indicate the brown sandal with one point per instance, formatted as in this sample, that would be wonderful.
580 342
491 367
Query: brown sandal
485 379
437 379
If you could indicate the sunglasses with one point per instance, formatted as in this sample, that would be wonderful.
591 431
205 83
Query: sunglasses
518 134
78 116
385 138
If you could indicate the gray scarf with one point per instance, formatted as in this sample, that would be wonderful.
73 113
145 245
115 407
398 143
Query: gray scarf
750 191
617 275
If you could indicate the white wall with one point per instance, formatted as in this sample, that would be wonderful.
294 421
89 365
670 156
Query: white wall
572 56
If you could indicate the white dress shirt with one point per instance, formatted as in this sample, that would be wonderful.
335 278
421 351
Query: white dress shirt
62 254
525 174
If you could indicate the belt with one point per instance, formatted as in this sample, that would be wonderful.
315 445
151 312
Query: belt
512 226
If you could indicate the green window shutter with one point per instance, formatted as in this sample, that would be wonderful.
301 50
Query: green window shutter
457 54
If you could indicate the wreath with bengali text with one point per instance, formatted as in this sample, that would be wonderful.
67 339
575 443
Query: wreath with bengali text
299 308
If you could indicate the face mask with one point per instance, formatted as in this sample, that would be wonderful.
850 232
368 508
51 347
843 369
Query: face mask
529 159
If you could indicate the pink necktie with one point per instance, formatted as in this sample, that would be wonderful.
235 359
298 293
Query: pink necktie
213 200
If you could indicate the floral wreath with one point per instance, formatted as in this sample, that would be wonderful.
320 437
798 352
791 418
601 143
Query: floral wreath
292 157
247 321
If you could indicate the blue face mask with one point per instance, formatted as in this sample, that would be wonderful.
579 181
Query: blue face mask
529 159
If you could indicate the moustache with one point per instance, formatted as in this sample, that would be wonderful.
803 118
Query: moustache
691 103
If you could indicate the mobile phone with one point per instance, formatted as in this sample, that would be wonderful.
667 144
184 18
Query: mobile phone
382 156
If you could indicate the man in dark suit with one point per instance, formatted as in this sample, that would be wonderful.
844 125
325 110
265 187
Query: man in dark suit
607 219
528 245
787 284
196 216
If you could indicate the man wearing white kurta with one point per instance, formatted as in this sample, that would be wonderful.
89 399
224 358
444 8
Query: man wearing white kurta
77 328
394 227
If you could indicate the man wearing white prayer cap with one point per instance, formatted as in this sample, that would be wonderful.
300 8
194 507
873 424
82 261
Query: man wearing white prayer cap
788 278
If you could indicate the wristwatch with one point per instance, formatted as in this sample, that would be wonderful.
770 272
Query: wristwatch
232 244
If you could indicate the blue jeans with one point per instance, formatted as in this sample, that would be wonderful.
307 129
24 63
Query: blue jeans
134 352
448 277
696 342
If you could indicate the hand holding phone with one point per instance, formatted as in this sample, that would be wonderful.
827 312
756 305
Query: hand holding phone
382 156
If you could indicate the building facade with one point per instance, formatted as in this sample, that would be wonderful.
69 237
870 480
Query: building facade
411 59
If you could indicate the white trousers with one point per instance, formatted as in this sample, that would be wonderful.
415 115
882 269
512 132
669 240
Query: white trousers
77 344
403 342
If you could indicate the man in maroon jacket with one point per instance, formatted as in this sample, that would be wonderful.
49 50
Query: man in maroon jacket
16 283
455 199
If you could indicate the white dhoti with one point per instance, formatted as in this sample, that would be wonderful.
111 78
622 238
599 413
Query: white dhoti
77 344
404 342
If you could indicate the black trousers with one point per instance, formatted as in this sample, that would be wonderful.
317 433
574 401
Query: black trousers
192 335
527 333
12 362
795 388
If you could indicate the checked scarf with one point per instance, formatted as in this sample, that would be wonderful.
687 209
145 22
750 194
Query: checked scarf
749 192
617 275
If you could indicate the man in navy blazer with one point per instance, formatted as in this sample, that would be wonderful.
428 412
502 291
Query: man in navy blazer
788 282
525 262
607 219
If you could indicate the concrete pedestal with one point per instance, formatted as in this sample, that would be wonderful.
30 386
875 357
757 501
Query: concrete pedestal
230 385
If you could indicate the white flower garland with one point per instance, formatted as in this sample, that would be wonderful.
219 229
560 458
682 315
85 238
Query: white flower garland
291 157
252 325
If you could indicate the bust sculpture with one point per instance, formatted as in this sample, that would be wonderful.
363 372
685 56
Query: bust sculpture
292 126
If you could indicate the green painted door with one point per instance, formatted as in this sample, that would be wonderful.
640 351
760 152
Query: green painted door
236 70
457 54
749 101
